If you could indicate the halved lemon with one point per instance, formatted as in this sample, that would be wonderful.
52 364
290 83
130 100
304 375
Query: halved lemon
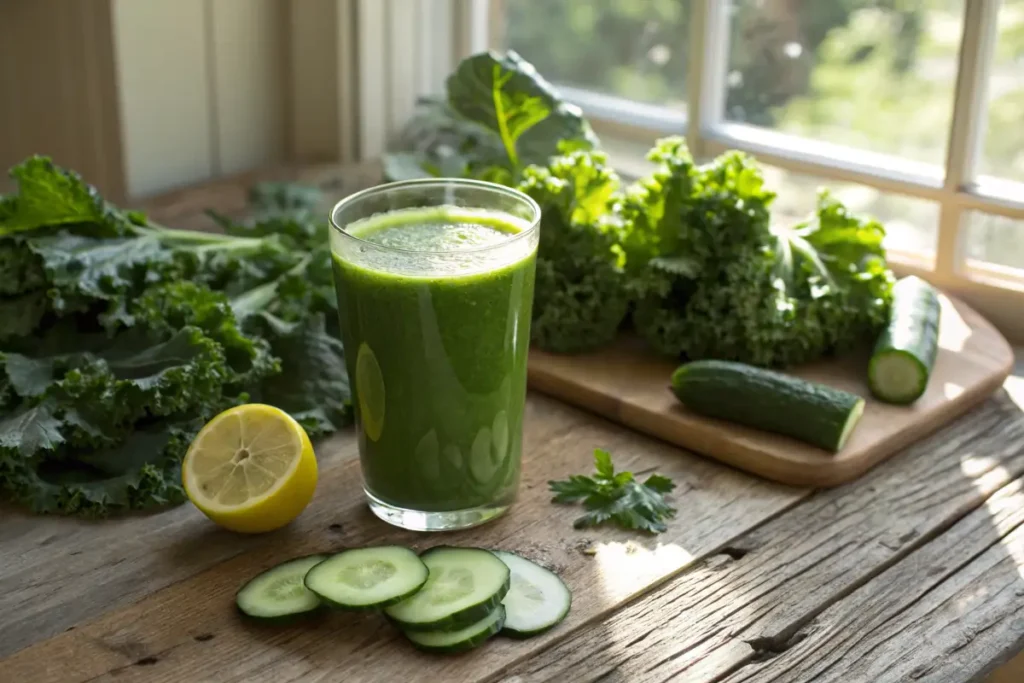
250 469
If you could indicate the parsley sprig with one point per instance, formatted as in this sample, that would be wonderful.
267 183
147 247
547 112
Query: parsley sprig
617 498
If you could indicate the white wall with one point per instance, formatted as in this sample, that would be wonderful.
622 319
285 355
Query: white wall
201 88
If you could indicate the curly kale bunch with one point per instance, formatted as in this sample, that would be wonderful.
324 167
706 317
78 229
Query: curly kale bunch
120 338
580 295
716 279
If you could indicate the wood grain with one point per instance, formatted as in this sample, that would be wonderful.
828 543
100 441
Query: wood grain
603 567
57 572
749 600
952 611
629 384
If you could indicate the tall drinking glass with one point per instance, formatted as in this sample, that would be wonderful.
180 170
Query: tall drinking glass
435 289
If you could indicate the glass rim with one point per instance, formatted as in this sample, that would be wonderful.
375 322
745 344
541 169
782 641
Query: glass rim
495 188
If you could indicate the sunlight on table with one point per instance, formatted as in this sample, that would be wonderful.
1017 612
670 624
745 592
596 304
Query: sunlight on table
954 332
626 568
987 475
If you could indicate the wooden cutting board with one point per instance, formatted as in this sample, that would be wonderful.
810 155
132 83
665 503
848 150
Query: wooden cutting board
628 384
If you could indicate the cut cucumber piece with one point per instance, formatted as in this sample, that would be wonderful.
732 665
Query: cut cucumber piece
466 638
464 586
279 592
366 578
905 353
537 599
814 413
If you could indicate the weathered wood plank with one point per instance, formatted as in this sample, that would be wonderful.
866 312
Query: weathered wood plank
172 625
56 572
952 611
746 601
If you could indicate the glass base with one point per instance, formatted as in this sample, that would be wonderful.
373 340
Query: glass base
416 520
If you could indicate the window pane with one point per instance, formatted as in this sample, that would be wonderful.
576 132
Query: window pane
873 74
911 224
631 48
1004 142
995 239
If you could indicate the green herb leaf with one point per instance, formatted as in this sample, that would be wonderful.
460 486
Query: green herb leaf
617 497
603 464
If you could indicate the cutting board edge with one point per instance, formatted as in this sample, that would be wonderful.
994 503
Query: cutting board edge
793 473
832 473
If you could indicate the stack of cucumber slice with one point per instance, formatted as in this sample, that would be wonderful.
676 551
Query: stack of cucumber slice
445 599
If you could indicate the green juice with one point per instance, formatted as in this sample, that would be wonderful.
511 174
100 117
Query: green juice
435 309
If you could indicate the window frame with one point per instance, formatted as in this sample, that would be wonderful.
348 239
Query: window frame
957 189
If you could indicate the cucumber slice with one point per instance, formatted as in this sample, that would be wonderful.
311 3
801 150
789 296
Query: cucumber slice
366 578
465 585
466 638
814 413
537 600
905 353
279 593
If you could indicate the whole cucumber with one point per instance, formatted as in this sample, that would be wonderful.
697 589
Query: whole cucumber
814 413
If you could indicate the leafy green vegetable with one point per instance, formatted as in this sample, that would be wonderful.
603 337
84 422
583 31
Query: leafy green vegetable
123 337
505 94
500 117
50 196
617 498
720 281
580 294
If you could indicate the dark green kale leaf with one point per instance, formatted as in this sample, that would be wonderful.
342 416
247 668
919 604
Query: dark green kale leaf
31 429
143 471
122 337
580 293
163 309
21 315
21 271
315 387
723 282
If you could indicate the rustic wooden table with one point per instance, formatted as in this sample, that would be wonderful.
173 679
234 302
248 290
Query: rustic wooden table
914 572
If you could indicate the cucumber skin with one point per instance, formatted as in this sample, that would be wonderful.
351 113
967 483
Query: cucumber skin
469 643
469 615
284 619
523 635
526 635
362 608
913 332
766 400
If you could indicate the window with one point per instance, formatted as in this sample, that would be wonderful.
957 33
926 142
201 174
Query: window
908 110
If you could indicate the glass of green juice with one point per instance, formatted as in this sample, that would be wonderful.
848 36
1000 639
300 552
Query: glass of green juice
435 290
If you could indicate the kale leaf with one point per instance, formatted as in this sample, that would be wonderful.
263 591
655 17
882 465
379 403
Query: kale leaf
716 279
580 293
500 116
122 337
